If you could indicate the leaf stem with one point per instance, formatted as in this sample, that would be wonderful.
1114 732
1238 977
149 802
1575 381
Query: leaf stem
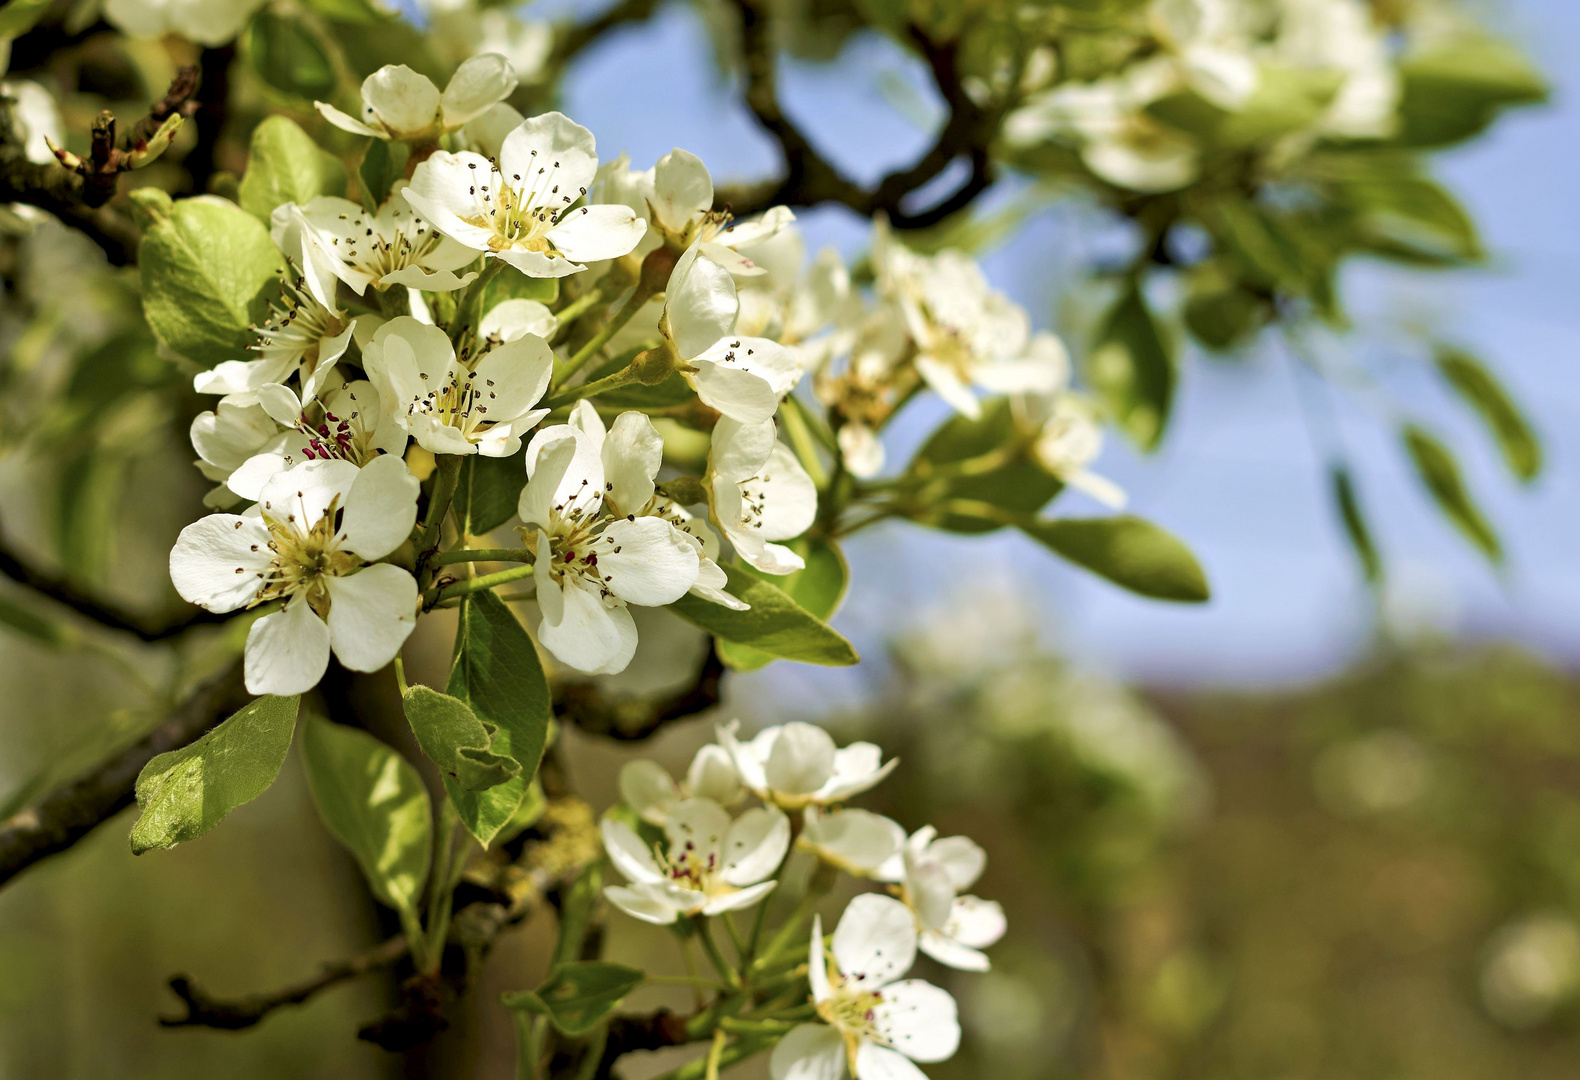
575 310
464 555
624 377
711 947
437 595
610 328
715 1052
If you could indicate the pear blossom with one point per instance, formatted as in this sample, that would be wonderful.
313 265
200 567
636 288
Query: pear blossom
391 247
511 319
866 390
309 542
1069 439
1212 46
1344 36
227 437
522 207
588 499
207 22
856 841
399 103
742 377
647 788
931 873
711 578
347 424
760 494
874 1024
709 864
797 765
451 405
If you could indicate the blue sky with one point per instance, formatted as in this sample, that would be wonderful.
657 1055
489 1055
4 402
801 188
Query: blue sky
1238 477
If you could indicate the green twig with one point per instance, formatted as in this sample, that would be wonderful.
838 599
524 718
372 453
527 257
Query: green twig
463 555
438 595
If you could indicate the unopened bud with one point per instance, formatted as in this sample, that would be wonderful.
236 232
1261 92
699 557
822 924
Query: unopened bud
656 268
652 366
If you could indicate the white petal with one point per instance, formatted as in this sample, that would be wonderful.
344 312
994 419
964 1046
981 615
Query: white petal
593 233
857 841
712 775
538 264
737 899
647 561
287 651
948 385
735 392
770 558
512 377
371 614
700 304
977 922
755 845
929 893
809 1052
737 264
632 454
646 787
875 939
789 498
404 101
510 319
477 85
856 769
426 280
739 451
564 470
584 417
747 764
487 133
951 953
217 559
696 829
962 857
682 190
628 853
381 508
876 1062
801 761
817 963
589 636
250 477
303 493
862 451
710 584
281 403
649 905
345 122
919 1020
439 192
551 150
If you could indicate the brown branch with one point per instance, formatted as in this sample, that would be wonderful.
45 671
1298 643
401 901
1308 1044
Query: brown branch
572 39
205 1010
67 814
583 704
810 179
106 613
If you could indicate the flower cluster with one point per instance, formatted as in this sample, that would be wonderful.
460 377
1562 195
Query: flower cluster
685 857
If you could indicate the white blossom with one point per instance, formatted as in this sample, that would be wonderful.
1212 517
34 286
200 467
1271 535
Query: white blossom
856 841
1069 439
207 22
588 498
35 119
526 207
309 542
1212 45
873 1023
708 866
450 404
760 494
797 765
227 437
742 377
932 872
347 424
647 788
399 103
391 247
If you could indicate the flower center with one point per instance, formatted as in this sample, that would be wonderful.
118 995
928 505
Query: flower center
297 326
305 557
519 210
378 254
459 401
852 1008
689 868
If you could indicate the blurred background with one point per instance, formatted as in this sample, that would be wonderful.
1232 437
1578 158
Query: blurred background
1305 830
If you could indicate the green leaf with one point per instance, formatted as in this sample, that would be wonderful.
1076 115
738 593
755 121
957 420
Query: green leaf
1131 552
373 800
488 490
289 57
286 166
457 741
1132 366
382 165
208 271
1220 312
1411 218
1355 526
1455 87
1285 100
775 624
18 16
186 792
361 12
1020 488
497 673
1246 231
512 284
818 587
577 908
577 997
1439 471
1482 391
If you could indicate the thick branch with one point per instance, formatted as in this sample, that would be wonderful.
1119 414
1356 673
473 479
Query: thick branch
67 814
204 1010
63 591
810 179
584 705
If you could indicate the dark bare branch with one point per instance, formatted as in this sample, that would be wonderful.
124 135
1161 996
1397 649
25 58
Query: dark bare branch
236 1014
67 814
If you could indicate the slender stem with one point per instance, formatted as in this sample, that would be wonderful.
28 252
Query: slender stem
478 584
469 310
736 1051
440 885
463 555
795 426
574 310
446 477
711 947
735 936
624 377
814 424
592 1057
758 924
691 970
526 1046
753 1027
400 675
609 329
715 1052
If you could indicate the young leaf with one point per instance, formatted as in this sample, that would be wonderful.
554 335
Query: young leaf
1355 527
1131 365
289 57
775 624
1019 488
457 741
1522 451
488 490
382 165
1456 85
208 273
186 792
285 166
373 800
1438 470
818 588
1132 553
496 672
577 997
